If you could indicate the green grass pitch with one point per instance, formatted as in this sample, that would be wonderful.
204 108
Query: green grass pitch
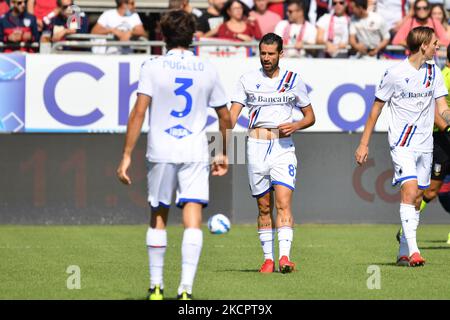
332 263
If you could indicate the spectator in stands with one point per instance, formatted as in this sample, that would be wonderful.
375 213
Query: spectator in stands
123 22
277 6
185 6
296 30
369 33
58 25
18 26
4 7
332 30
211 18
322 7
236 26
394 12
41 8
421 17
266 19
249 3
438 13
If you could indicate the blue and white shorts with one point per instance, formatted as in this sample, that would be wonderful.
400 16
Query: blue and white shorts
191 181
271 162
411 165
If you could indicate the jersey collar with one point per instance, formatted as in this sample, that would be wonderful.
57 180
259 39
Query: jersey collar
179 52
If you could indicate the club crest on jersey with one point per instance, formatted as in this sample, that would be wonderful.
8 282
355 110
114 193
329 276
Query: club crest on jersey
178 131
407 80
257 86
26 22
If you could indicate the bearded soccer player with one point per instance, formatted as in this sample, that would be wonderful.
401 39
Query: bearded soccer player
415 94
178 88
271 93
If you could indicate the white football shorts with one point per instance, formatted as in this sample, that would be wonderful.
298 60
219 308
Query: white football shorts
191 181
411 165
270 162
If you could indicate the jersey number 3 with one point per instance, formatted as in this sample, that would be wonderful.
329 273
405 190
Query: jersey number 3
181 91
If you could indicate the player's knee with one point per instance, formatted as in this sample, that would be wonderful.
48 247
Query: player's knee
283 209
264 209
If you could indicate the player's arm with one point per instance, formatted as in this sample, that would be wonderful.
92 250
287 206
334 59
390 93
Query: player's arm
308 120
235 111
442 115
362 151
220 163
134 127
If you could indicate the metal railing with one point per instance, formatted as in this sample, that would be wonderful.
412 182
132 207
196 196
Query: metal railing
89 41
148 45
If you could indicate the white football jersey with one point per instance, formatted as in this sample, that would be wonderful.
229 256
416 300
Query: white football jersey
271 101
182 86
411 94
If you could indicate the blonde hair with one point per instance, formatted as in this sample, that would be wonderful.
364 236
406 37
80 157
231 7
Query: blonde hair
418 36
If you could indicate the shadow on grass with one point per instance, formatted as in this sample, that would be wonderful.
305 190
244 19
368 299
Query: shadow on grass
145 299
239 270
434 241
436 248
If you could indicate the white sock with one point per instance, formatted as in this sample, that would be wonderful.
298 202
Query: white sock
156 246
266 236
285 236
410 222
190 255
403 250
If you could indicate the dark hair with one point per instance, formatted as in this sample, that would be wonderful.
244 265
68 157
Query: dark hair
300 4
119 3
362 3
271 38
417 1
59 3
448 52
175 4
228 5
178 28
417 36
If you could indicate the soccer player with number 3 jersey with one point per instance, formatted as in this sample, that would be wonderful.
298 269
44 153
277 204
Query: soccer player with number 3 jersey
178 87
415 94
271 93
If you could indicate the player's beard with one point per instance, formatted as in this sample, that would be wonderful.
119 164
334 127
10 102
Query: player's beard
270 68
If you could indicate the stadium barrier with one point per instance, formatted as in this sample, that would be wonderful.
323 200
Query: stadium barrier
50 177
66 93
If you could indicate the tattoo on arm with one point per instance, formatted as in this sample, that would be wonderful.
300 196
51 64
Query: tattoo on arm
446 116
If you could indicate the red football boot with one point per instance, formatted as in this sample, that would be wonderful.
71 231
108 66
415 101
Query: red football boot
416 260
286 266
268 266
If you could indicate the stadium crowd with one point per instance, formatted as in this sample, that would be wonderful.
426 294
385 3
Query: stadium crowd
365 27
